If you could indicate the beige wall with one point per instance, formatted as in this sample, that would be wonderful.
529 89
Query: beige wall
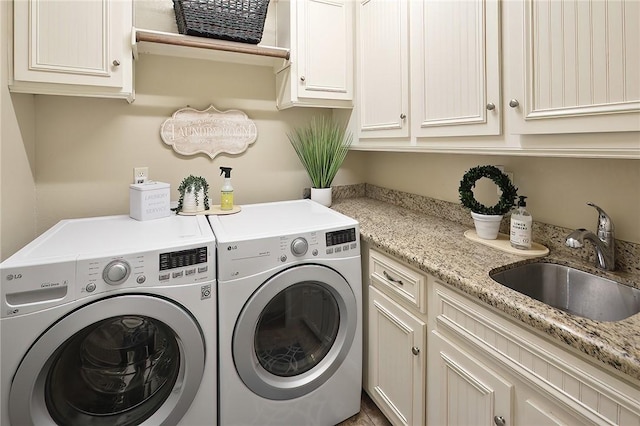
557 188
87 148
17 158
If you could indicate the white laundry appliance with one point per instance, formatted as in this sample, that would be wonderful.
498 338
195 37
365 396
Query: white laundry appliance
289 315
111 321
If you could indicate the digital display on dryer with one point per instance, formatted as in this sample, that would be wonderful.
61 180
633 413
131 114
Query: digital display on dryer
182 258
341 237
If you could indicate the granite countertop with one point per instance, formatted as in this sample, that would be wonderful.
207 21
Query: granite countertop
438 247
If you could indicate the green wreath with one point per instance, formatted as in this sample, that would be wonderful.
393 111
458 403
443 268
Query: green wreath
468 182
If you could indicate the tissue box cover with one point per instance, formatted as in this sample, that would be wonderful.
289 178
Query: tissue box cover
149 200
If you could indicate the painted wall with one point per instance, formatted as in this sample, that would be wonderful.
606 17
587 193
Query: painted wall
558 188
87 148
17 157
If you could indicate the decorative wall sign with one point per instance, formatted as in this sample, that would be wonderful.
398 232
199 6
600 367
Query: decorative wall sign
191 131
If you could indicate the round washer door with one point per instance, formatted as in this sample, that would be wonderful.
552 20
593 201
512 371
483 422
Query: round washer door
123 360
295 331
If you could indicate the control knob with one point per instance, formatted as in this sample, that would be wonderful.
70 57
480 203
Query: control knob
299 246
116 272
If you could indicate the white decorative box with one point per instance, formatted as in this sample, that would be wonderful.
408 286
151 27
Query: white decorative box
149 200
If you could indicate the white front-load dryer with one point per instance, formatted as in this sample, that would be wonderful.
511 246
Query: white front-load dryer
111 321
290 315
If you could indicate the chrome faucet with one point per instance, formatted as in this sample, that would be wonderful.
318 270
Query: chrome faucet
604 241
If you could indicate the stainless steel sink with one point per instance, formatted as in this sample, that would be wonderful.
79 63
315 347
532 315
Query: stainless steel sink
571 290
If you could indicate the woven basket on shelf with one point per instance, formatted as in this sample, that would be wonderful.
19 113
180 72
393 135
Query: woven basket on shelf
235 20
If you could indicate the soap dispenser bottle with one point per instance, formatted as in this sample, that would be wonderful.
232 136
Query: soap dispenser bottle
521 224
226 193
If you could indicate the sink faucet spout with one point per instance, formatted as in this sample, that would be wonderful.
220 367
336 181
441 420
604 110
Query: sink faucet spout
604 241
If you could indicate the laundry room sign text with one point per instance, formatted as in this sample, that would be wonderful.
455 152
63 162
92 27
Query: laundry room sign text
190 131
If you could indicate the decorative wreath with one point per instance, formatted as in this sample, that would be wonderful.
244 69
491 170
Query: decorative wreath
468 182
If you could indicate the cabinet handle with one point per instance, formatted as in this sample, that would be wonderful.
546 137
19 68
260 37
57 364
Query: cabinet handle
513 103
116 63
390 278
403 116
302 78
499 421
415 350
491 106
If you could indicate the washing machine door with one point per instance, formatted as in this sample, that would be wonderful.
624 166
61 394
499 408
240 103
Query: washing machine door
295 331
123 360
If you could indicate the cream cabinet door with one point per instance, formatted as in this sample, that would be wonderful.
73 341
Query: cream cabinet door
396 360
462 391
573 66
383 68
320 36
535 409
455 68
78 48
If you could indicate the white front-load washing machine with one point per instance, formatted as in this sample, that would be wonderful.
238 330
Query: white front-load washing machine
289 315
111 321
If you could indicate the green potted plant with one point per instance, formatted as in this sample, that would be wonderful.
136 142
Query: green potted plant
487 219
194 195
321 146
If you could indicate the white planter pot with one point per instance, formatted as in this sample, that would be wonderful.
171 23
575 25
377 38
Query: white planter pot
322 196
189 204
487 226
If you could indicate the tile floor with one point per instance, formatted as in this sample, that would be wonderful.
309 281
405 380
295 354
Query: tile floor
369 415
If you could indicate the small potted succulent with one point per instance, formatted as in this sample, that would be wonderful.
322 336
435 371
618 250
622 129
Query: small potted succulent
321 146
194 195
487 219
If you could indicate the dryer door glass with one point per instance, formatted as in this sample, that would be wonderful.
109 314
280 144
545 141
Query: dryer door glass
296 329
115 372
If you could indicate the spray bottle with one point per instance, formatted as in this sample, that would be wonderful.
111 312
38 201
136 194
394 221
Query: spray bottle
226 193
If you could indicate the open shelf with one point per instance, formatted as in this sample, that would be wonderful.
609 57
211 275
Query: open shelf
178 45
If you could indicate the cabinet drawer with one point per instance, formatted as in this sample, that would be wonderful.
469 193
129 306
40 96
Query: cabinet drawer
388 274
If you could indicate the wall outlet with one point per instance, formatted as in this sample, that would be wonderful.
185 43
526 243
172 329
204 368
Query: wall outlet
140 174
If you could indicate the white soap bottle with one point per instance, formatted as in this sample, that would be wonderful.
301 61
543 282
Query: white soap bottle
521 224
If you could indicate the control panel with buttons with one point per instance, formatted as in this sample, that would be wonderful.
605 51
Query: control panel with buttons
247 257
166 267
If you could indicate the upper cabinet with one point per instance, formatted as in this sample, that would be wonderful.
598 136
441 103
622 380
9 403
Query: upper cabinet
519 77
452 75
574 67
455 68
79 48
319 35
383 68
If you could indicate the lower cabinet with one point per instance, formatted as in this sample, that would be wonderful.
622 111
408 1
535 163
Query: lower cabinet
397 355
465 391
485 369
472 392
536 408
396 337
435 356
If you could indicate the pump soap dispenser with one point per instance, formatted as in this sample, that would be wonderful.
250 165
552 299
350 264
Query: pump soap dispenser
521 224
226 193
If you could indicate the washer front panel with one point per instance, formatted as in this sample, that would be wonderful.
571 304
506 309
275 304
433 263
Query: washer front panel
88 329
318 282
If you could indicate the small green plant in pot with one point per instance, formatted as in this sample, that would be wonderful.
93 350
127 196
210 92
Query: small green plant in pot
487 219
321 146
194 195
